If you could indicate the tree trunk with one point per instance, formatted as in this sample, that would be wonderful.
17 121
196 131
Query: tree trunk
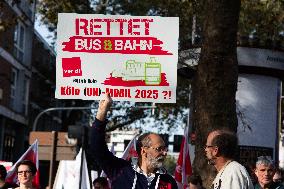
216 79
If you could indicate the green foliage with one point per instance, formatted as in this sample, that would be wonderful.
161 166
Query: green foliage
49 9
7 22
262 20
170 164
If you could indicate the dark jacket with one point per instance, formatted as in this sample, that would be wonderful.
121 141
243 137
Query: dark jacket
6 186
121 172
272 186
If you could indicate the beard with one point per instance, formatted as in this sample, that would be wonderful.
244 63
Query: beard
156 163
210 161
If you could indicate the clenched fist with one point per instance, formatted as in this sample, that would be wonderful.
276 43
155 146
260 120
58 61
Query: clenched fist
104 106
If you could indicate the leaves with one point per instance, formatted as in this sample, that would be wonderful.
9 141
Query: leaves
262 19
7 21
49 10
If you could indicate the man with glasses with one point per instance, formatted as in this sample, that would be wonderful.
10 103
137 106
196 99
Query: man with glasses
148 173
220 149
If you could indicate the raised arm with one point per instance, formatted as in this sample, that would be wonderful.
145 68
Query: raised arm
104 158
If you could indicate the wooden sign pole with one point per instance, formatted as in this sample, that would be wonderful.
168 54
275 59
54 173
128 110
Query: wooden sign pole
52 159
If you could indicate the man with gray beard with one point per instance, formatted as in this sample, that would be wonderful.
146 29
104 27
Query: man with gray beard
147 173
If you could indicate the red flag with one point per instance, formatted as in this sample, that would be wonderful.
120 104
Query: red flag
32 155
130 151
183 168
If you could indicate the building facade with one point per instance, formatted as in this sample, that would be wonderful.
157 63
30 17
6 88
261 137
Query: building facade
15 76
27 80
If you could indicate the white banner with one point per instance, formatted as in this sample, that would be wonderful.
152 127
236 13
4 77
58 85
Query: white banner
68 174
134 58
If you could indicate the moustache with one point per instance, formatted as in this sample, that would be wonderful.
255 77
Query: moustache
160 159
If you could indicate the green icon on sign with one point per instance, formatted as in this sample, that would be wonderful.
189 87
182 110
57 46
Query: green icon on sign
149 72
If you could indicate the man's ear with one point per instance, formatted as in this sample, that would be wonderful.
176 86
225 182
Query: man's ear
143 152
216 151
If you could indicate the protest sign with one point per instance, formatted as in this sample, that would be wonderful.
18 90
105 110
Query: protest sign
134 58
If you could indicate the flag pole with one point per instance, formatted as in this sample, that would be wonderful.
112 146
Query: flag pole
83 156
52 159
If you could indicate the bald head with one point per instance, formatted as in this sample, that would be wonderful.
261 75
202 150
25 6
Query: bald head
226 141
147 140
212 135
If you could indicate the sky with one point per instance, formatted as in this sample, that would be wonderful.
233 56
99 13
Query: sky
43 31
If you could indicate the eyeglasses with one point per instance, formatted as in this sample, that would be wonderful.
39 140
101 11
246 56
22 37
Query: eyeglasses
159 149
24 172
208 146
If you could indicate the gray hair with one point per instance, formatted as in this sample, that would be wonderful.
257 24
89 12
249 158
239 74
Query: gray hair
264 160
143 141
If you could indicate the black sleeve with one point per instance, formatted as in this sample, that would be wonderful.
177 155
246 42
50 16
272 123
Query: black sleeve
174 183
104 158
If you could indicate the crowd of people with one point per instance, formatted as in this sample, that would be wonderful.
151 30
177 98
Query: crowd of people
149 172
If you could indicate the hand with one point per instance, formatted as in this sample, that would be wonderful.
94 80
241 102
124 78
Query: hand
104 106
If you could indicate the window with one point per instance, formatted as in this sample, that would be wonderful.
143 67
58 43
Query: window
19 42
25 96
14 78
9 143
27 6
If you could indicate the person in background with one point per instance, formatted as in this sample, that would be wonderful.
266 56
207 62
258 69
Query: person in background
148 173
278 176
100 183
220 152
264 171
250 169
3 174
195 182
26 171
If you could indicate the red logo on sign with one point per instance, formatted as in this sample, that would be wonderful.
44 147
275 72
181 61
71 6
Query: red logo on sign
71 67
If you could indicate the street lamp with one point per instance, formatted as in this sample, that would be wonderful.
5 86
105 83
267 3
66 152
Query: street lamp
81 108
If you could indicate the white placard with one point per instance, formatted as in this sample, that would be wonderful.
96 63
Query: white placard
134 58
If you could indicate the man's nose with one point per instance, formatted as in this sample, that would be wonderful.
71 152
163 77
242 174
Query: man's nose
164 153
266 173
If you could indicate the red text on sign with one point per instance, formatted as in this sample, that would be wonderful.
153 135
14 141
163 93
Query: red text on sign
98 26
69 91
146 94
